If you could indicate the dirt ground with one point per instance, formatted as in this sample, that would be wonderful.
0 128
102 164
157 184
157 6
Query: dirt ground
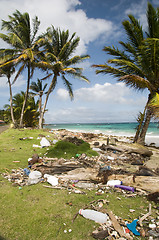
3 128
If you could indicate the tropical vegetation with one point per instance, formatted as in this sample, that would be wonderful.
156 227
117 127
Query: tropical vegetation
38 90
136 64
7 71
23 50
52 52
154 104
59 60
31 112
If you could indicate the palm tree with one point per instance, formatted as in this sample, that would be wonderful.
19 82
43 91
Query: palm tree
8 71
38 89
137 64
154 104
23 43
31 113
58 59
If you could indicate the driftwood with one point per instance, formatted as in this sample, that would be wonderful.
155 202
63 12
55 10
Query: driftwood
110 147
53 187
129 149
142 151
116 225
145 216
56 169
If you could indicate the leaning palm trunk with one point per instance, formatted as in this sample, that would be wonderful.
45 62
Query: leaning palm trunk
11 103
142 136
46 100
138 131
25 98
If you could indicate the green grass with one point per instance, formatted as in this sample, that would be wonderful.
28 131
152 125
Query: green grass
38 213
68 150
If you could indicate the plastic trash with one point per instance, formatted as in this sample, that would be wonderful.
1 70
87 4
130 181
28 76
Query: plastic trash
94 215
132 227
125 187
51 179
34 177
44 142
54 141
96 149
36 146
26 171
110 158
85 185
112 183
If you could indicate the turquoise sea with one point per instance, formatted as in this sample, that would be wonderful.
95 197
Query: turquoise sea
116 129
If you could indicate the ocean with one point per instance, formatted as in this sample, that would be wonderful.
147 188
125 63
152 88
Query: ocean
115 129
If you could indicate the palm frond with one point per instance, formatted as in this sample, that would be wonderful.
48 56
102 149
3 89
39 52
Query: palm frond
153 22
105 68
18 73
68 86
128 66
136 82
36 24
134 31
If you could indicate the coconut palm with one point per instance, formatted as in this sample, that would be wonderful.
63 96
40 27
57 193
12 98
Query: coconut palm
137 65
38 89
23 43
8 71
31 113
59 60
154 104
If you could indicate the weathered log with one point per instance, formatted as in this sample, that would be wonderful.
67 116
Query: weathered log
142 151
116 225
56 169
110 147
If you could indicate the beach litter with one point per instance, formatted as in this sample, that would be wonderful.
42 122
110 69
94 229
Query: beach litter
112 170
44 142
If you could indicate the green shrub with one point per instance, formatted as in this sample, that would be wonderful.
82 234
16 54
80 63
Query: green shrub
67 150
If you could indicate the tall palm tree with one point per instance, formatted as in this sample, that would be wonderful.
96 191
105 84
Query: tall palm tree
38 89
137 64
8 71
59 60
23 43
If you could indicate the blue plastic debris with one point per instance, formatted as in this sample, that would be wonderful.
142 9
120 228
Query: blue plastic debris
26 171
132 227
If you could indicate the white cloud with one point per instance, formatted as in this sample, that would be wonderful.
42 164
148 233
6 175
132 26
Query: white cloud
4 82
62 94
139 11
61 14
107 93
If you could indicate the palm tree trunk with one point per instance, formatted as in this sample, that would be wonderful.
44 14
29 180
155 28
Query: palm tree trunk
11 102
25 98
40 103
141 139
44 107
138 131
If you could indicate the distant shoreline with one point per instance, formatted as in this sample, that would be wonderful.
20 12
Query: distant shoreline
110 129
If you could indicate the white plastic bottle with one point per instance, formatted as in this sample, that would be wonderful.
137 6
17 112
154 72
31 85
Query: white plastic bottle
112 183
94 215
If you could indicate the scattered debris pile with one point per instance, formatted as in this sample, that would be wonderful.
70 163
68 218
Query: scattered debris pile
125 163
114 227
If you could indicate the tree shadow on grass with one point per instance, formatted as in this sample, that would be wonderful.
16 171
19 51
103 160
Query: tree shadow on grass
2 238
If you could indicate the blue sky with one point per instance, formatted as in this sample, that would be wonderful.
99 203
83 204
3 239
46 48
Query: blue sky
98 24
